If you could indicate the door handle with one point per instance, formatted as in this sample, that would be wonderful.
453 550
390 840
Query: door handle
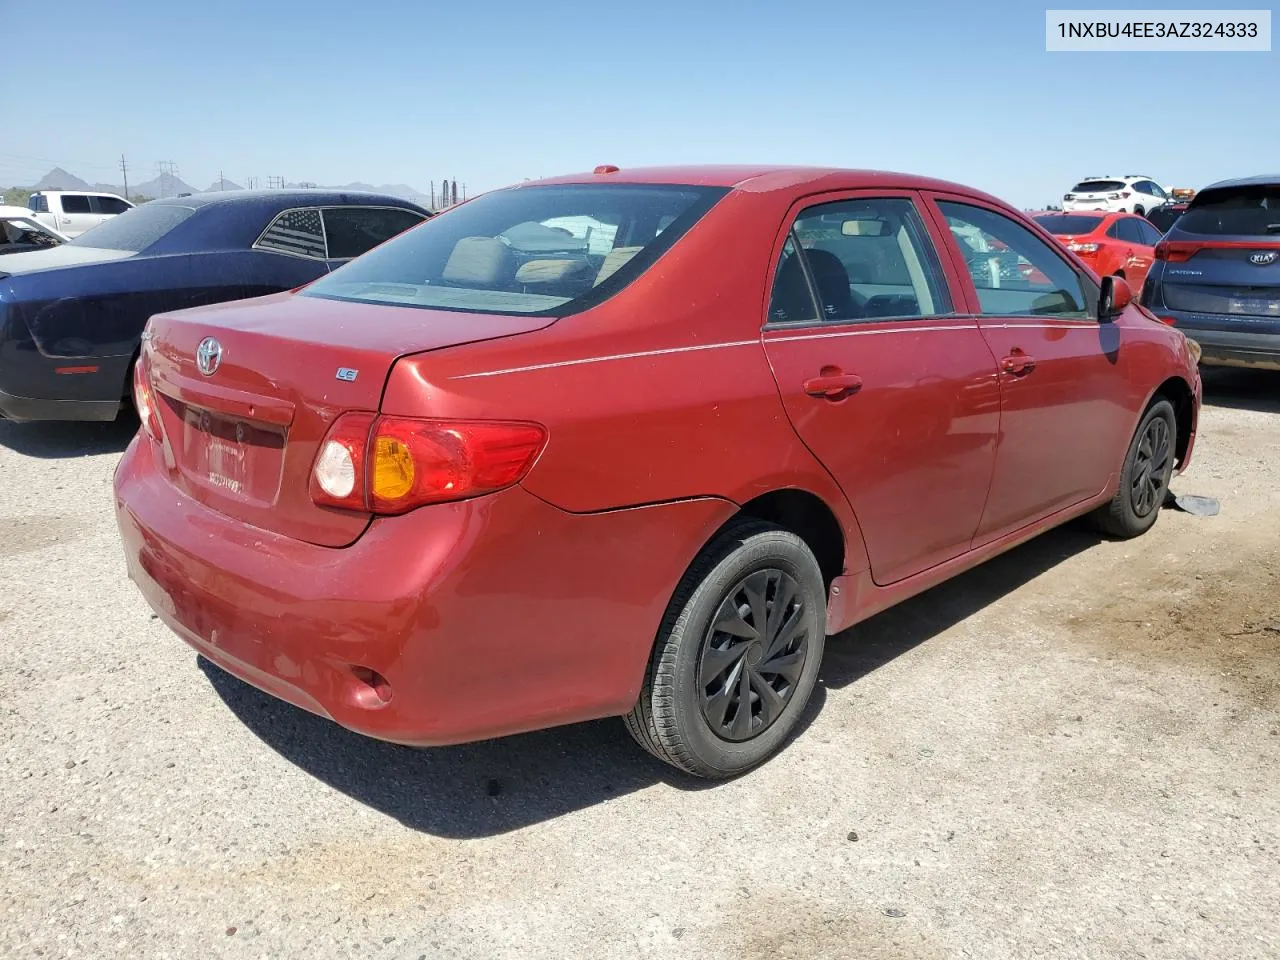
832 384
1018 364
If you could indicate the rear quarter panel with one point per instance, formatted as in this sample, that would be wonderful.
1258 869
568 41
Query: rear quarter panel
662 393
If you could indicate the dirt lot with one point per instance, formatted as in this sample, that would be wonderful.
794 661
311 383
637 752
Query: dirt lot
1070 752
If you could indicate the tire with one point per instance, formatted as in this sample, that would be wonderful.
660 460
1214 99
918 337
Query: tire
1144 479
1140 210
673 718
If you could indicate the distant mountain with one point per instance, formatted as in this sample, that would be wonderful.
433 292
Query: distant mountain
59 179
223 185
165 185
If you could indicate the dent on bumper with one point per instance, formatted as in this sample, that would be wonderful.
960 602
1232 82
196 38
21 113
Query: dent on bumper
487 617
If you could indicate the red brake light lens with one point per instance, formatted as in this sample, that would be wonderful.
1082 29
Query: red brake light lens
1175 251
144 399
390 465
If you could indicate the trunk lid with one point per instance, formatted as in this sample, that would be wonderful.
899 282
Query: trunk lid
243 439
1233 282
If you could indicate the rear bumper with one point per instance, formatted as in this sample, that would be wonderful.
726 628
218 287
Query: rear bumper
486 617
1230 347
32 408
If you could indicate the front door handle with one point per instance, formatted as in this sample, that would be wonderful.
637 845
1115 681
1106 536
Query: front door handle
832 383
1017 364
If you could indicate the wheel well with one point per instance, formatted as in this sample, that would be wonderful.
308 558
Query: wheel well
1178 393
809 518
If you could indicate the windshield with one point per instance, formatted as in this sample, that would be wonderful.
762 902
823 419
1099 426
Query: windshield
135 229
1064 224
1097 186
1252 211
20 231
550 250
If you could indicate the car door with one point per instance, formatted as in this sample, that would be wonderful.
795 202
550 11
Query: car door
890 386
1063 395
351 231
77 214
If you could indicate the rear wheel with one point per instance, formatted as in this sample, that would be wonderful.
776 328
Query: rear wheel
737 654
1140 210
1144 480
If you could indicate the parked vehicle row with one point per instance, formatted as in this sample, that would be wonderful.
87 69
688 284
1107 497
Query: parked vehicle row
625 443
71 317
1115 244
1132 193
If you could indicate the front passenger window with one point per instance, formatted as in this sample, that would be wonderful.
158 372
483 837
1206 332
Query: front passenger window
1014 272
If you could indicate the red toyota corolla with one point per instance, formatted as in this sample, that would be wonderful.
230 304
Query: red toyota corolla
1116 244
633 443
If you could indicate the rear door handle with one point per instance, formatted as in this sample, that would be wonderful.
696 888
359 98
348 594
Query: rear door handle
833 384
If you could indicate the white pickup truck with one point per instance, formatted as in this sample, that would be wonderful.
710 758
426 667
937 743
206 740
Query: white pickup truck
72 212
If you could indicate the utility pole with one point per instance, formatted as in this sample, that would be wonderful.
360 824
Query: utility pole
124 171
433 196
251 183
464 192
222 181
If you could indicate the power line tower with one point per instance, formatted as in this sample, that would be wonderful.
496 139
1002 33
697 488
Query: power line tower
251 183
167 171
124 172
275 183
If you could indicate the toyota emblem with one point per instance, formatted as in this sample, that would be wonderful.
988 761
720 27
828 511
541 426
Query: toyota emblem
208 356
1263 257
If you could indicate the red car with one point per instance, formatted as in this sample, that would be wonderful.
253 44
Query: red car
633 443
1113 244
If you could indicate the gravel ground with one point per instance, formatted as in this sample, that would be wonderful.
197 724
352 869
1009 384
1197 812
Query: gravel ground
1069 752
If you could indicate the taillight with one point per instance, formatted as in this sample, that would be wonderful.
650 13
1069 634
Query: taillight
144 400
1075 247
1068 196
390 465
1175 251
1166 320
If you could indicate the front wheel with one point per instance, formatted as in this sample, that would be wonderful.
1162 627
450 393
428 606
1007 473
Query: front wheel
737 654
1144 479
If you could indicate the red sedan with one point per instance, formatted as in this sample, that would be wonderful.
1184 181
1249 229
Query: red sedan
1113 244
633 443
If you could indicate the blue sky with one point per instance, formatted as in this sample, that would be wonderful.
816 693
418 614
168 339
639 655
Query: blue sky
497 91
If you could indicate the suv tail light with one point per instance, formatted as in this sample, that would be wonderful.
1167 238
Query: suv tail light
390 465
1175 251
144 400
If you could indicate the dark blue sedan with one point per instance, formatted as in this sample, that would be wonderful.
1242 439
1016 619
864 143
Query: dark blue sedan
71 317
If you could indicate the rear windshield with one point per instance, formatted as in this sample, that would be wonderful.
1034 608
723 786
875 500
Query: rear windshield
1235 211
550 250
1097 186
134 229
1063 224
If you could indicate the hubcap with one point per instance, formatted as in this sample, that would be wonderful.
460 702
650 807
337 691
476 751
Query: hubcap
753 655
1150 466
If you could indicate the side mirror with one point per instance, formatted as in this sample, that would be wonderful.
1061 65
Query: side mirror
1115 295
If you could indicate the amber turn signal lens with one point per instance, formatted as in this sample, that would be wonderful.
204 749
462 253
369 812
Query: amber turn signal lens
393 471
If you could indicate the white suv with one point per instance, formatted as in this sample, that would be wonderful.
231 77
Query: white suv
72 212
1128 194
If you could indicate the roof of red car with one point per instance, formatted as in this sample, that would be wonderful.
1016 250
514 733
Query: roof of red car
762 178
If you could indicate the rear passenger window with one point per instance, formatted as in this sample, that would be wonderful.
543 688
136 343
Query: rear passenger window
1113 231
1150 236
296 232
866 260
75 203
791 300
38 204
108 205
352 231
1014 272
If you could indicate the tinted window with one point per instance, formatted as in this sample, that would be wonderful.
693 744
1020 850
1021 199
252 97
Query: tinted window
1115 231
1127 230
108 205
551 250
38 204
792 298
21 232
1162 218
1097 186
1014 272
1065 224
1252 211
297 232
351 231
870 260
136 228
1147 234
75 203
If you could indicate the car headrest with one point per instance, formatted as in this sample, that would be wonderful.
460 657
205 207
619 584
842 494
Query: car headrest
482 260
